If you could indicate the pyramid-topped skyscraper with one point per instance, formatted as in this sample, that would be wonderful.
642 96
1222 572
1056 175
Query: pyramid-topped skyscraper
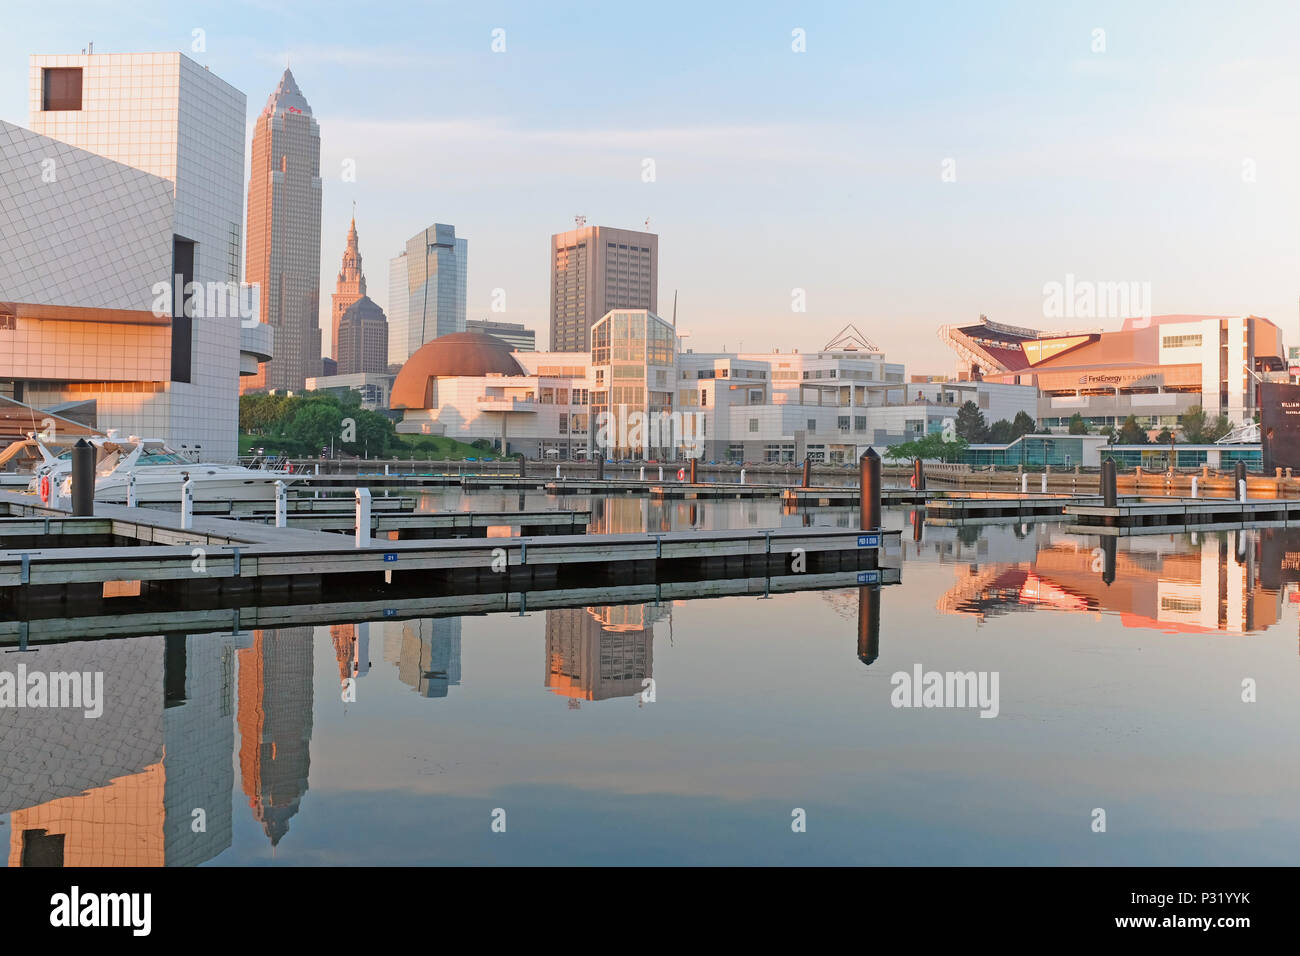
283 249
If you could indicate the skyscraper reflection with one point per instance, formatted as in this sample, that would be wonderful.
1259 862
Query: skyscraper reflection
596 653
275 723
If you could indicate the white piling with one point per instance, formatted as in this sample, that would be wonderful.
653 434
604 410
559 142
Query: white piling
742 476
187 503
281 504
1024 483
363 517
1044 482
661 472
385 468
130 490
643 472
557 471
1241 489
1193 486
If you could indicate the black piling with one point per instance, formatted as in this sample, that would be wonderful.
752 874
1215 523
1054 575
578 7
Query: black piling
83 479
1109 494
918 474
692 471
1239 484
600 467
807 472
523 466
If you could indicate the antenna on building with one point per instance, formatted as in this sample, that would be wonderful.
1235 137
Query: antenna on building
579 221
647 223
674 308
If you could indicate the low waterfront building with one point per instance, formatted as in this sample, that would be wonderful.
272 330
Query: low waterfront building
515 334
1154 368
375 387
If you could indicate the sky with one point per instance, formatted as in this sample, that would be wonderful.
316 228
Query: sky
915 164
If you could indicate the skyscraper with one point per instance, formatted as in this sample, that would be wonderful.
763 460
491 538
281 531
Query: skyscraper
398 337
595 269
362 338
163 114
432 271
283 249
351 286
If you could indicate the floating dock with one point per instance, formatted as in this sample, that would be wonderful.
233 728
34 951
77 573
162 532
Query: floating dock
128 551
1157 515
976 508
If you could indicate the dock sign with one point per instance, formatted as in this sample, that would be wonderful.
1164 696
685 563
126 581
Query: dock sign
390 555
868 541
868 577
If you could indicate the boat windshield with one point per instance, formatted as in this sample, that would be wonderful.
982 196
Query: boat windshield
159 456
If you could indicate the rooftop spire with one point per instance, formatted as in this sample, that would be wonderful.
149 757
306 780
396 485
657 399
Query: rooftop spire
287 97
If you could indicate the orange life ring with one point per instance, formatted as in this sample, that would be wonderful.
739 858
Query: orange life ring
45 489
681 474
912 481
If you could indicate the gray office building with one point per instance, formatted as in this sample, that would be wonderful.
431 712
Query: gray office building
515 334
430 277
595 269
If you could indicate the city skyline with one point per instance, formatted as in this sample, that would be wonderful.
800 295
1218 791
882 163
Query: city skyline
1046 182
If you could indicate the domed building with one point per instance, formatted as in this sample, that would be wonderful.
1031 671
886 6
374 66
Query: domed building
470 386
467 386
458 355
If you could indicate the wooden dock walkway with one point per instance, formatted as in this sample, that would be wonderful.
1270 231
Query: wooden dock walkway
1165 515
225 556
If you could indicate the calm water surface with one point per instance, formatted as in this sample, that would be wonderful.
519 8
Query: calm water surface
1124 696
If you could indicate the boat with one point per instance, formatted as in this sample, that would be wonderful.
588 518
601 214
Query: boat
158 472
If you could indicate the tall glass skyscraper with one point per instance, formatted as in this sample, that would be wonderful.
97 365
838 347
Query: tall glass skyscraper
432 274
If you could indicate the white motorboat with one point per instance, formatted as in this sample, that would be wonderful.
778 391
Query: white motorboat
159 472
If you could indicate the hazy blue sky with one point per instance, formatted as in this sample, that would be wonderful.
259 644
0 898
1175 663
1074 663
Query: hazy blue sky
778 170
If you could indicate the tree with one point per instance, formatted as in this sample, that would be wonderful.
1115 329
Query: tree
1002 432
1131 433
971 426
315 424
1166 437
930 448
1200 429
1077 425
1022 424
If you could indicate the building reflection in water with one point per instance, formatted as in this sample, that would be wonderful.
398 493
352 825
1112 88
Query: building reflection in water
426 652
596 653
1211 583
122 789
275 722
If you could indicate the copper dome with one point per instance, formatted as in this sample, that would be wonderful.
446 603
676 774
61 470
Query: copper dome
460 353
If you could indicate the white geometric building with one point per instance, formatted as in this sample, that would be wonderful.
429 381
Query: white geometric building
162 114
